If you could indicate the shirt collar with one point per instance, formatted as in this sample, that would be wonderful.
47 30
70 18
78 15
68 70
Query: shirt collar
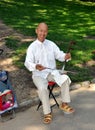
39 42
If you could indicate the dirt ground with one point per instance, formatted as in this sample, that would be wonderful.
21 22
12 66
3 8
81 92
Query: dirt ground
20 79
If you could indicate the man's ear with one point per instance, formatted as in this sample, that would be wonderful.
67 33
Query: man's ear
36 31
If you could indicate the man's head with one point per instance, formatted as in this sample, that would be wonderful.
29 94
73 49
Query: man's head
42 31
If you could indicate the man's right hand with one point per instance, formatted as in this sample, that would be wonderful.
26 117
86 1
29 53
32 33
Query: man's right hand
40 67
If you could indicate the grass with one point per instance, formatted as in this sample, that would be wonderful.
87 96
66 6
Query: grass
67 20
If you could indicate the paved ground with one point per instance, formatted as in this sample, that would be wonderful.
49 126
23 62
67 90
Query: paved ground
83 100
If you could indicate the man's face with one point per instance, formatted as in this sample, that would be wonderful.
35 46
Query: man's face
41 32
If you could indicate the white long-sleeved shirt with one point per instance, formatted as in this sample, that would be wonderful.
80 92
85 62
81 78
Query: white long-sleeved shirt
46 54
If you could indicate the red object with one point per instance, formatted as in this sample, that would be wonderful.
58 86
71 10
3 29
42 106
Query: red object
6 100
51 83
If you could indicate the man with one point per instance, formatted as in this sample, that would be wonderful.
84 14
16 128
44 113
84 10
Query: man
41 60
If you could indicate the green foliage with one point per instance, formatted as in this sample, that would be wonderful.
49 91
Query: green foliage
12 43
19 50
67 20
19 54
80 74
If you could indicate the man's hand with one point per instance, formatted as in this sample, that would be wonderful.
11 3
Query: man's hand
67 56
40 67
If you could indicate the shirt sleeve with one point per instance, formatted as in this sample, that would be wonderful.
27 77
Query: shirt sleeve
59 55
29 61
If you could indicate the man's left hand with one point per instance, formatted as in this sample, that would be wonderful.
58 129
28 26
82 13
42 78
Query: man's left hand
67 56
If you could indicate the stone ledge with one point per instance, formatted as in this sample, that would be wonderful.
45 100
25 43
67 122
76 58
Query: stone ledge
34 101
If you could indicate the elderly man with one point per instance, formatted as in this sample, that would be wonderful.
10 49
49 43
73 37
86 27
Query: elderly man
41 60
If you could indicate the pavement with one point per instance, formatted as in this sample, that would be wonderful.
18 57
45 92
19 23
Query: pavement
83 100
